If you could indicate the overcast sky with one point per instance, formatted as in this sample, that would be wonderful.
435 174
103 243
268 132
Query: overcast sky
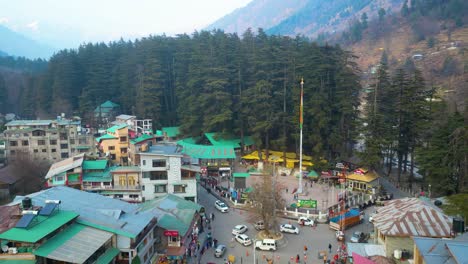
71 21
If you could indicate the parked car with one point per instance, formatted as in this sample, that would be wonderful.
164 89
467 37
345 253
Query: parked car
219 251
244 239
371 217
221 206
266 244
239 229
287 228
305 221
259 225
359 237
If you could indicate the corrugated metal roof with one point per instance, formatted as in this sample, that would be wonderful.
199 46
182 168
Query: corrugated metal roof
105 136
442 251
65 165
29 123
95 164
7 217
74 245
89 206
171 131
115 128
459 251
412 217
108 256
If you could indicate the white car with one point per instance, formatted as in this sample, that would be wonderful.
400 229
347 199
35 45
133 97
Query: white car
371 217
305 221
239 229
222 207
287 228
244 239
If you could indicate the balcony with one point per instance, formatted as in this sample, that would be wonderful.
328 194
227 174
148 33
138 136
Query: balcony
126 188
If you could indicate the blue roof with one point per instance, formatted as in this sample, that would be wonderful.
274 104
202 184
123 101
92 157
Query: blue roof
164 149
442 251
95 210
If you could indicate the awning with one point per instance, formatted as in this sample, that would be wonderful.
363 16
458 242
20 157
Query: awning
108 256
241 174
312 174
75 244
175 252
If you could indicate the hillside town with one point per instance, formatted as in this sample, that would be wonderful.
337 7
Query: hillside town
123 193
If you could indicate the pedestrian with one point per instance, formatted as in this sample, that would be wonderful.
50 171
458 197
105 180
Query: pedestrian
297 258
305 251
325 259
212 216
329 248
286 190
215 242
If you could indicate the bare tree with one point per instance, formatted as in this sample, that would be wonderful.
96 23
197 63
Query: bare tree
266 198
31 173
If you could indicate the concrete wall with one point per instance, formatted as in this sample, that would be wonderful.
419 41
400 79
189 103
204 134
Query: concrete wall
393 243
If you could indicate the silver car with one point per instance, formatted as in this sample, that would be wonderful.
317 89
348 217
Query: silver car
219 251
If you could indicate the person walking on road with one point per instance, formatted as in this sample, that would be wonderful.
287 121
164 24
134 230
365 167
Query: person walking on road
297 258
305 251
329 248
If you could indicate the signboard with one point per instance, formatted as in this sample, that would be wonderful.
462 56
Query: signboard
340 166
307 203
171 233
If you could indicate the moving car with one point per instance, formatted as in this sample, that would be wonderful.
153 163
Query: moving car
305 221
221 206
359 237
219 251
239 229
266 244
244 239
287 228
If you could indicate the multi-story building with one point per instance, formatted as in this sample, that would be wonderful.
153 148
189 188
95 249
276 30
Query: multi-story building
161 173
139 126
114 144
50 140
139 143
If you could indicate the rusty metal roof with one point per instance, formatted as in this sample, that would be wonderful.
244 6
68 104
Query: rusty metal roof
9 215
412 217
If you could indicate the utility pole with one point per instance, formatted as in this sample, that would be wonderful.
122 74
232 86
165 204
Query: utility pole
299 190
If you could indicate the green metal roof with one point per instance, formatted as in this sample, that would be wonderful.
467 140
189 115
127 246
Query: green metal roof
109 103
116 127
141 139
17 261
105 136
159 133
108 256
241 174
52 244
206 152
83 147
216 139
45 226
312 174
95 164
97 176
171 131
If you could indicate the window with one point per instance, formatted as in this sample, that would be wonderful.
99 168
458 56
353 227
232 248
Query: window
35 150
13 143
63 136
134 196
157 175
112 156
159 163
160 188
38 133
41 142
82 141
123 150
179 188
53 142
44 150
59 178
122 180
63 146
72 141
64 155
144 162
25 134
143 187
12 152
118 196
53 150
111 148
25 143
123 139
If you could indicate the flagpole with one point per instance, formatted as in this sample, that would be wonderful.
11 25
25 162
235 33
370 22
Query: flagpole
299 190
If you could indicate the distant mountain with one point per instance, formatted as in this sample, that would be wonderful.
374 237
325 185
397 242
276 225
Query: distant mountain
3 54
258 14
306 17
15 44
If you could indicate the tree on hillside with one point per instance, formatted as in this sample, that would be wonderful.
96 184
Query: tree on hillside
456 205
30 172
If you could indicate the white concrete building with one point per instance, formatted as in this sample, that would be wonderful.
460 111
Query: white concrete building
161 173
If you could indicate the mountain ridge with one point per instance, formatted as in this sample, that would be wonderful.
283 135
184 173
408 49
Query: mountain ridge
15 44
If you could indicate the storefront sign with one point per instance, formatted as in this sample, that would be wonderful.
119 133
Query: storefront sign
171 233
307 203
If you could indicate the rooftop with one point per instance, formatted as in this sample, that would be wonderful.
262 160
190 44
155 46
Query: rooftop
164 149
9 215
190 148
365 176
218 139
113 129
7 175
141 138
95 164
44 226
95 210
105 136
106 107
65 165
29 123
173 212
125 117
442 251
412 217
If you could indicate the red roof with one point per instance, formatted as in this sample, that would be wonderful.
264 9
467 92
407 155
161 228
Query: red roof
9 215
358 259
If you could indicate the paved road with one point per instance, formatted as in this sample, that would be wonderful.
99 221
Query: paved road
315 239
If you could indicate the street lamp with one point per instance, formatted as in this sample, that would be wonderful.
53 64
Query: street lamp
254 242
429 191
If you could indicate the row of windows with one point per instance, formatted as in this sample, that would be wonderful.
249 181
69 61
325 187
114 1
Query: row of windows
42 142
155 175
162 188
122 150
157 163
62 155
